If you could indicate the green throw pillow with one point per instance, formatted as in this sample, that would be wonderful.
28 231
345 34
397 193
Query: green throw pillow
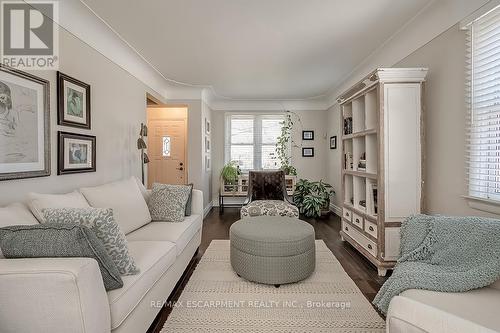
55 240
168 202
103 224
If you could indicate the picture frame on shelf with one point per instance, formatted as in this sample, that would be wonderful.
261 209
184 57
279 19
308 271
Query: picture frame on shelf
308 135
76 153
73 102
308 152
207 126
333 142
24 125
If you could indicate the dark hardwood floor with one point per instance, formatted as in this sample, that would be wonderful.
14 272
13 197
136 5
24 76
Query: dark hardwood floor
216 226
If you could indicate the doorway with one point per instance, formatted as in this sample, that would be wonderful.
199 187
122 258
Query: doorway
167 144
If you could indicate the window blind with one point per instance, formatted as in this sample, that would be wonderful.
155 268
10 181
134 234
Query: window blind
251 140
483 102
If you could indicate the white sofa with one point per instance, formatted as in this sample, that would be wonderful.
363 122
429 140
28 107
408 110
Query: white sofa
423 311
67 294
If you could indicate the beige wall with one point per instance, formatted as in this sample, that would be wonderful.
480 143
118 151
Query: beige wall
118 107
445 114
310 168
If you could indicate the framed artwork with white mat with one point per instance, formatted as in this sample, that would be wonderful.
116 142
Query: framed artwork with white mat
73 102
76 153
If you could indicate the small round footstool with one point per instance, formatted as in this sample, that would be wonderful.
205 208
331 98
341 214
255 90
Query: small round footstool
272 249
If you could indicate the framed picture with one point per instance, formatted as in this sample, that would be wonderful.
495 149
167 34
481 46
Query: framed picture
73 102
76 153
333 142
24 125
207 144
207 163
207 126
307 135
308 152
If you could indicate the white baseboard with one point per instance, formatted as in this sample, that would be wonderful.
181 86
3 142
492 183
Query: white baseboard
336 209
207 209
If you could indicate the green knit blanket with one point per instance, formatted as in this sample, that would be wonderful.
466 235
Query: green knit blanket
447 254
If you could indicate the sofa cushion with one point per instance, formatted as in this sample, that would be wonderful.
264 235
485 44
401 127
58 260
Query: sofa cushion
179 233
129 207
103 224
153 258
59 240
37 202
479 306
168 202
15 214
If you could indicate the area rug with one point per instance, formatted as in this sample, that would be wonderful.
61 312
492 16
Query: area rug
216 300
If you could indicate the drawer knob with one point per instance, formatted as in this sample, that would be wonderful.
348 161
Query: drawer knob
346 214
357 220
371 228
370 246
346 229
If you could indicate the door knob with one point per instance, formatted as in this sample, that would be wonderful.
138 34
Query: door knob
181 164
181 168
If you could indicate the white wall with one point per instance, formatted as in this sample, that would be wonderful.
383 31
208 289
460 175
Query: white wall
313 168
118 106
334 156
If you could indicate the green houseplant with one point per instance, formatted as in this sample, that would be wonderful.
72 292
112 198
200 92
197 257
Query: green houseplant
229 174
312 198
283 144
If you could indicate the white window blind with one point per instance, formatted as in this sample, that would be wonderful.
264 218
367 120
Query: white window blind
251 140
483 101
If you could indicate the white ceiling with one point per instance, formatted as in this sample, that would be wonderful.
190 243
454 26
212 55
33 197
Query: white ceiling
258 49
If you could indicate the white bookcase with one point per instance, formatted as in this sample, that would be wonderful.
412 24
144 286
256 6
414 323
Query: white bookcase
382 160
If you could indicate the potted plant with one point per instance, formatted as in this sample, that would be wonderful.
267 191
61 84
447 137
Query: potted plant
313 198
229 174
283 144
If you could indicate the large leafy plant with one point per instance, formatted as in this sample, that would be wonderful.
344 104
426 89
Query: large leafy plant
230 173
312 197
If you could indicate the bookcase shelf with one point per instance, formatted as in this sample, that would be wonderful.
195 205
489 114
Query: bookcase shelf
382 174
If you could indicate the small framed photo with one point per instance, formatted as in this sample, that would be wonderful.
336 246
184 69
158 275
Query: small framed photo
207 163
76 153
333 142
307 135
308 152
207 126
73 102
207 144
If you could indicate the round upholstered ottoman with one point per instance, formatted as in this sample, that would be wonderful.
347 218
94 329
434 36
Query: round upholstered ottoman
272 249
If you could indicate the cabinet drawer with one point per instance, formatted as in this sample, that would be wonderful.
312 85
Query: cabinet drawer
361 239
347 214
357 220
371 228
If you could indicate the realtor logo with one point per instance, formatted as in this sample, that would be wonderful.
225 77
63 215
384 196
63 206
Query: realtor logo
29 36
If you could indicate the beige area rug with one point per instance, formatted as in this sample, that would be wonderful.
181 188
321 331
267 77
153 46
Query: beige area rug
216 300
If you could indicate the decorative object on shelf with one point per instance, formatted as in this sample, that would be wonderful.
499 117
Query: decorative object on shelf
307 135
362 162
348 161
73 102
207 126
313 198
347 125
333 142
24 125
284 141
207 144
308 152
76 153
141 145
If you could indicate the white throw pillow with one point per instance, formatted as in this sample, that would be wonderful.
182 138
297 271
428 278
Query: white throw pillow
37 202
15 214
144 191
129 207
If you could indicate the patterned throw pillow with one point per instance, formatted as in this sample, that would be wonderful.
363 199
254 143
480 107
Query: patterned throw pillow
168 202
102 223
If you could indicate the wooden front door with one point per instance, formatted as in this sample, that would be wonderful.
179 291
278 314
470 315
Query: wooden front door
167 152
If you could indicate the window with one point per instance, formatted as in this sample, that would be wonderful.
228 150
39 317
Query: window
483 96
251 140
166 146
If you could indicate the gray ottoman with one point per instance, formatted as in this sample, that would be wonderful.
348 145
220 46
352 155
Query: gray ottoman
272 249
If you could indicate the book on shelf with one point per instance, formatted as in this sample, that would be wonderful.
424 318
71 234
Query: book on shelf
347 125
348 161
372 198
